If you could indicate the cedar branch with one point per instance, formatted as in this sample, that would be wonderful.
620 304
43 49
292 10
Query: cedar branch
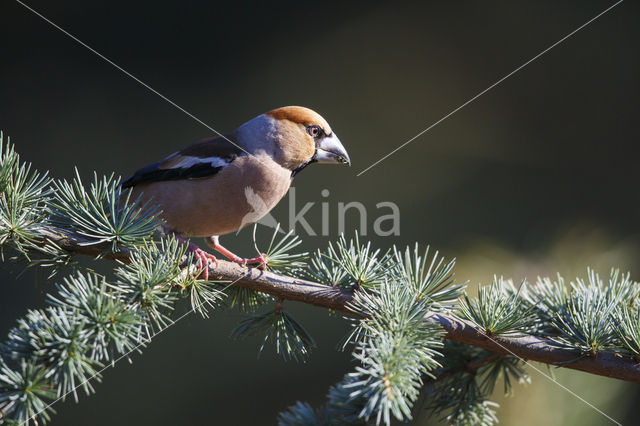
532 348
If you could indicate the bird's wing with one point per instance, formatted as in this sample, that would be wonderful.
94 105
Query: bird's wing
201 159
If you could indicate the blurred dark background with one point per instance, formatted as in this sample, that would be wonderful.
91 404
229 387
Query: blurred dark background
537 176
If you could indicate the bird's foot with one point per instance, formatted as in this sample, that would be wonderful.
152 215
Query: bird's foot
202 260
260 259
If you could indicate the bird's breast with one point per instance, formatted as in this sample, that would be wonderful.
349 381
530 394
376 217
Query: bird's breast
239 195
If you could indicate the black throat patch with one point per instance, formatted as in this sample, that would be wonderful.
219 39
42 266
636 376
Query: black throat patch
303 165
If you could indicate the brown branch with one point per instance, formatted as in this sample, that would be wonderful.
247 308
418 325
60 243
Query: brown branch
531 348
78 244
539 349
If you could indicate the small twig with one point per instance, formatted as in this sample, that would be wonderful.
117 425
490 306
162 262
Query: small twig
471 367
279 305
78 244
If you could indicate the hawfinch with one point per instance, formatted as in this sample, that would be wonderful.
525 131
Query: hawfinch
218 185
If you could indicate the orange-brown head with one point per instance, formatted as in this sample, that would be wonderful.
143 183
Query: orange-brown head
294 136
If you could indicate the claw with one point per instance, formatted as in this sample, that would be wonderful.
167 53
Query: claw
202 257
202 260
260 259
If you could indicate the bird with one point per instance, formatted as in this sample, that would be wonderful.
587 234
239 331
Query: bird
220 184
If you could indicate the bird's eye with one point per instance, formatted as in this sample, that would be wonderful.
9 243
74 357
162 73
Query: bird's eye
314 131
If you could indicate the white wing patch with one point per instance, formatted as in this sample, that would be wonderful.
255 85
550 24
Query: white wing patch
188 161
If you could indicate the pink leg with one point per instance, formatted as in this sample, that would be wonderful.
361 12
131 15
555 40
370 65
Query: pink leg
215 244
202 257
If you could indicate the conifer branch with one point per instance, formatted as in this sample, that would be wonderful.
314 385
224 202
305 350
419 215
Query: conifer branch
77 244
414 329
527 347
535 348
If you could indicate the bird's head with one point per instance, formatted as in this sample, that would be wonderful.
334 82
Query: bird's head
294 136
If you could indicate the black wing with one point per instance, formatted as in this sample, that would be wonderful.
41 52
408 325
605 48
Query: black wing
201 159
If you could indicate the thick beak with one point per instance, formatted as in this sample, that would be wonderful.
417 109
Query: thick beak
330 150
